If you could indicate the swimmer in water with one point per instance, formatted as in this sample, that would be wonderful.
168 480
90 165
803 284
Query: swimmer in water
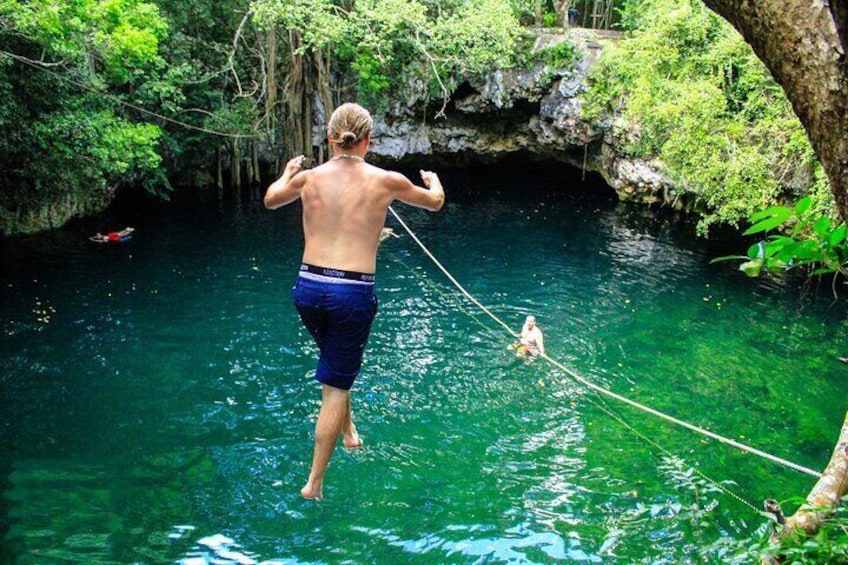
114 236
531 341
386 233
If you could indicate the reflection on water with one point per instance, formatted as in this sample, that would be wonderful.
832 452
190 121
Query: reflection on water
158 400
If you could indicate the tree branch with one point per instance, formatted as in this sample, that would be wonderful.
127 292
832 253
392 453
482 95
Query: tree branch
827 493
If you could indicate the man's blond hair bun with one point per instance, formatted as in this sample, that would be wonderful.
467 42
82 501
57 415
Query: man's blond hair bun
349 125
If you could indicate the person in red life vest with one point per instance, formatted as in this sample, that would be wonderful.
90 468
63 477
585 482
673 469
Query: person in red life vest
113 236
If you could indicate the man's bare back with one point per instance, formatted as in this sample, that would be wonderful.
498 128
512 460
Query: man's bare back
344 207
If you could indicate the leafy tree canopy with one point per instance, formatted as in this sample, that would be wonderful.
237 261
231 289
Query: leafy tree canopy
388 42
693 96
121 35
66 67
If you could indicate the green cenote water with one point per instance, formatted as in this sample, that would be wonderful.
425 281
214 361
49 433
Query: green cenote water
158 400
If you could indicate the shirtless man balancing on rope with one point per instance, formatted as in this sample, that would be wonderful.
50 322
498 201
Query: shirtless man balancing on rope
345 201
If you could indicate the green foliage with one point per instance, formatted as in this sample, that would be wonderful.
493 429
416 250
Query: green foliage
524 10
384 37
82 157
829 545
198 83
476 36
236 118
390 44
123 35
807 240
373 79
67 143
690 93
321 23
559 56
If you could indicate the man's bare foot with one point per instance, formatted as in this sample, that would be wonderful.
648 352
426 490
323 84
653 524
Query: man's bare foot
353 441
311 493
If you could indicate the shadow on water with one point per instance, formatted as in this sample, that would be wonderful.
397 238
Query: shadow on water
158 398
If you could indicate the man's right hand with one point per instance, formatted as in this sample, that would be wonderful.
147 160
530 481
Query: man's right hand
284 190
428 177
294 166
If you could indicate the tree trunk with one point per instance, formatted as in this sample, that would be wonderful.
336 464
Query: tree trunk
294 99
271 94
307 103
235 164
248 161
307 88
828 492
561 10
325 93
822 501
803 43
219 176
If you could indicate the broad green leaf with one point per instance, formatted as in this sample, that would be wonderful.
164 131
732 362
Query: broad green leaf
779 244
837 236
806 251
769 213
752 268
776 263
803 205
777 215
822 227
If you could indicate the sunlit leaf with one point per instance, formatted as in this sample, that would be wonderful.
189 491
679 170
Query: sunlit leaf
822 227
778 244
752 268
768 219
770 212
727 258
838 235
803 205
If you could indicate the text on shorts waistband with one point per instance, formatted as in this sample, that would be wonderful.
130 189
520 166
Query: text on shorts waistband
337 273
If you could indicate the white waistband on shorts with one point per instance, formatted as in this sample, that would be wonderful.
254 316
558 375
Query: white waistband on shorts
331 280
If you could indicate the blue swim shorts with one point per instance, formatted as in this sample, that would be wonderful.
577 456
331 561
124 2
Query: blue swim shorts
338 313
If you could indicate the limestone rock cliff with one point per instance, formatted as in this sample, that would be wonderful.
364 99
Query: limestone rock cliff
536 112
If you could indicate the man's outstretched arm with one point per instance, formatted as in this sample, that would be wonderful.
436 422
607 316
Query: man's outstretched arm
286 189
432 199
